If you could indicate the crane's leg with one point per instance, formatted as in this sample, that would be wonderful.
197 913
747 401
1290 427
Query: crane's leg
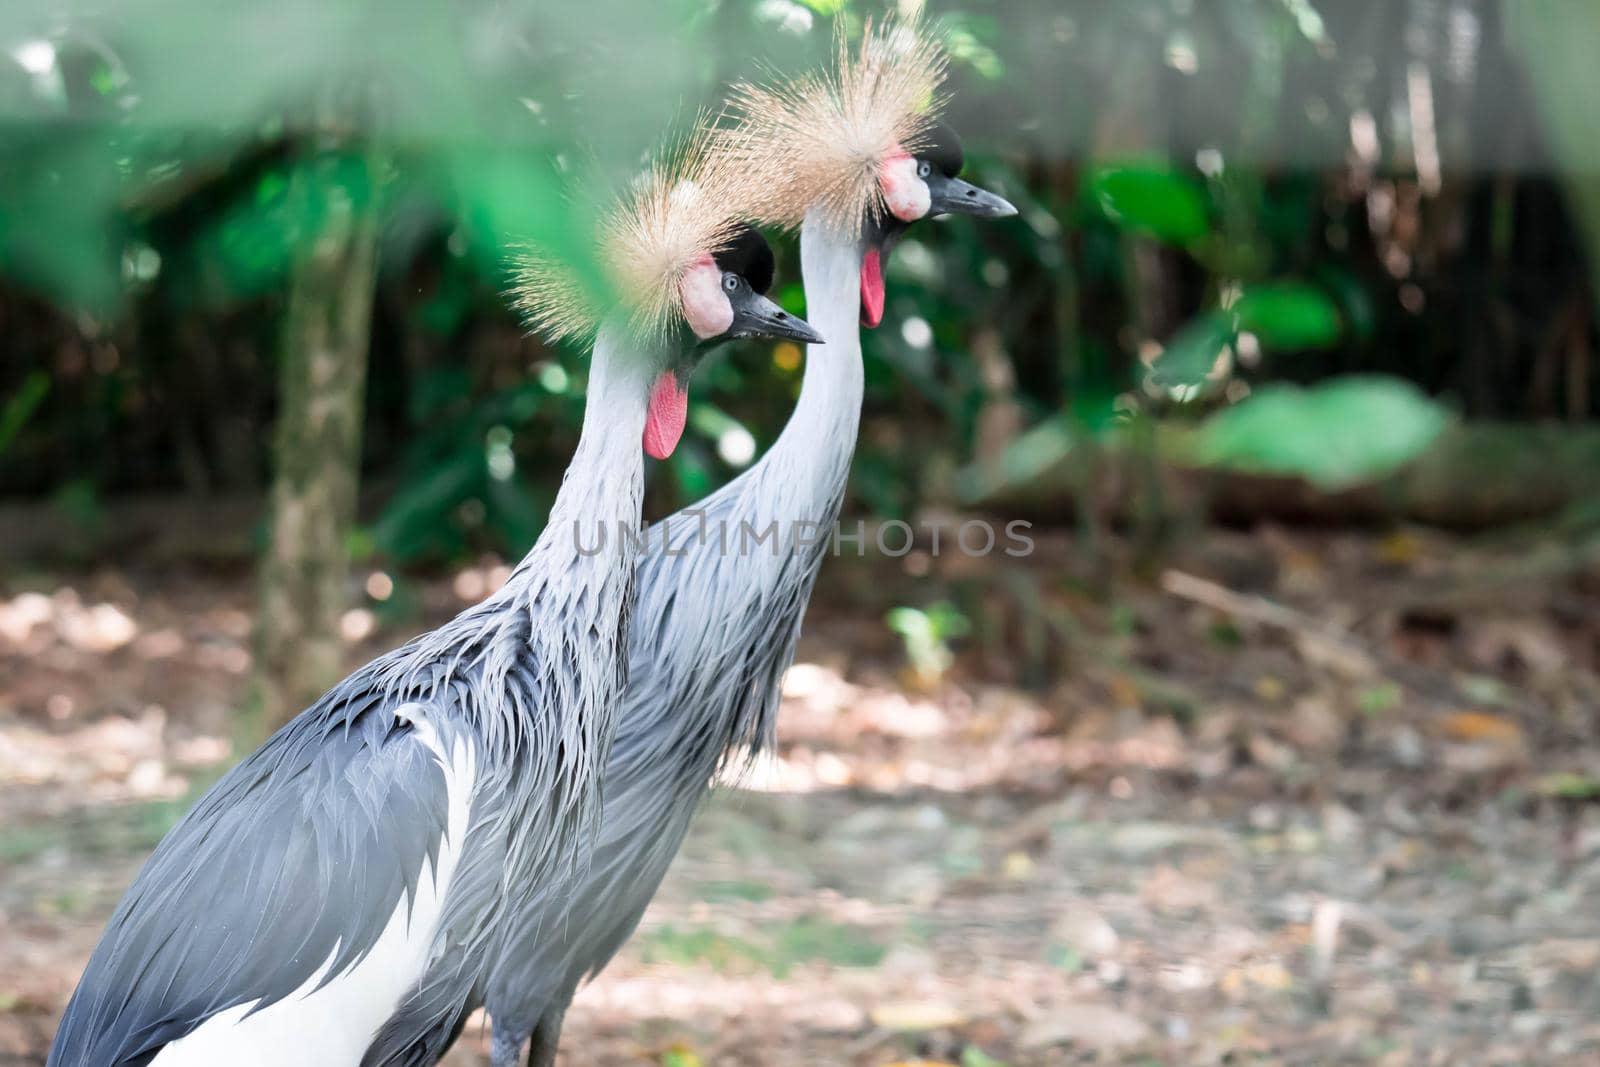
546 1036
506 1046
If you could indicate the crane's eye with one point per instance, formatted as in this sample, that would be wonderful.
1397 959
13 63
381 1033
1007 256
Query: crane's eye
924 168
730 282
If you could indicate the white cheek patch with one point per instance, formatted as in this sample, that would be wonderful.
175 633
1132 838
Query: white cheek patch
705 306
906 194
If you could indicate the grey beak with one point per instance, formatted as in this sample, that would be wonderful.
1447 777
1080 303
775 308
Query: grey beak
756 316
952 196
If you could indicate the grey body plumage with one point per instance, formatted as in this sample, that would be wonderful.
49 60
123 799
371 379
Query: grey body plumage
290 867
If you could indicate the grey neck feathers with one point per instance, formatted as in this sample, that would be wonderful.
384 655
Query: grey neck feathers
603 486
564 594
751 600
813 452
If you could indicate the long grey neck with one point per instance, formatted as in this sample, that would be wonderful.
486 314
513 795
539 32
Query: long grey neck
604 484
559 593
817 443
683 718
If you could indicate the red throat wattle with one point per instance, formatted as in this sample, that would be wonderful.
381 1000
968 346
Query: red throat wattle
664 421
871 288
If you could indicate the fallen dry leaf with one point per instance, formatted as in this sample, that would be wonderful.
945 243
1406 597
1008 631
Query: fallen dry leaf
1086 932
1017 866
1399 549
911 1016
1480 726
1270 975
1269 688
1124 692
1092 1025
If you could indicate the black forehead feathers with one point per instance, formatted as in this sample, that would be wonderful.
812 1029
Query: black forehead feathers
942 148
749 256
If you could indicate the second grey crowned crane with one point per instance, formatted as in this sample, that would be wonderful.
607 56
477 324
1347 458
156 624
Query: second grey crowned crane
332 899
861 157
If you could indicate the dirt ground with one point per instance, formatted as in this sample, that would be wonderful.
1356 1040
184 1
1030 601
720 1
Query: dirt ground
1286 799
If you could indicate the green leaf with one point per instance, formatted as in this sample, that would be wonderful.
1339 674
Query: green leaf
908 622
1289 315
1064 957
416 518
947 620
20 408
1152 199
1350 295
723 892
79 500
1283 315
965 46
1336 435
1569 786
1193 351
435 389
1380 699
1029 456
973 1056
252 242
60 234
792 298
514 201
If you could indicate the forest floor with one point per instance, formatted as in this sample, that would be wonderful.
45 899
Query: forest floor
1288 798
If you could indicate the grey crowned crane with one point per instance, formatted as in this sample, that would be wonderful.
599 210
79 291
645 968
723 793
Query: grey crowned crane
334 897
859 156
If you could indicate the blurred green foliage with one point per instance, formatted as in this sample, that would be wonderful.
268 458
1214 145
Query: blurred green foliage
784 946
1309 231
1150 199
927 634
17 410
1338 434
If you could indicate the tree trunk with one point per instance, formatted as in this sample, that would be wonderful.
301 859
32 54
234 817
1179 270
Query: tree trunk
317 441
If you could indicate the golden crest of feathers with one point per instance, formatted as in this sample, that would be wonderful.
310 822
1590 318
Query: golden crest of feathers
823 139
688 204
